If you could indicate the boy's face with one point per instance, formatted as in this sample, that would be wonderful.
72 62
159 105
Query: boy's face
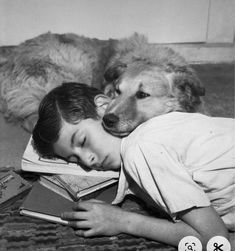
89 144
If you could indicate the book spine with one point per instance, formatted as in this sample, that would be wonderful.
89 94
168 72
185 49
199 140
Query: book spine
92 191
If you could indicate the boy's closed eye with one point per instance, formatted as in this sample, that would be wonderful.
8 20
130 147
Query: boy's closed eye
78 139
83 141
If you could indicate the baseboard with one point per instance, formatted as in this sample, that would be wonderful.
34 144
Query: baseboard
200 53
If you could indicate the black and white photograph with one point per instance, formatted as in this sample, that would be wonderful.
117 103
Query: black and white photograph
117 122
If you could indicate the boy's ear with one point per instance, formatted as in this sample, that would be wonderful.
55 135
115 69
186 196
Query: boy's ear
101 102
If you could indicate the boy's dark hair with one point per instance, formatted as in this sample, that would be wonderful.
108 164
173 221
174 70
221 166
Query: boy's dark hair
70 102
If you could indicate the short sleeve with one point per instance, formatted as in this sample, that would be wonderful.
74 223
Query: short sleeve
158 170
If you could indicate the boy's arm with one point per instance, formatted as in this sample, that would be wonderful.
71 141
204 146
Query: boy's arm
96 218
203 223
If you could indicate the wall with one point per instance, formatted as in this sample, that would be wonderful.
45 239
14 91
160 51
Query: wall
163 21
221 21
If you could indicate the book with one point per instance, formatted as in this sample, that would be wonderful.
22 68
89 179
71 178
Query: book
43 203
76 186
12 186
32 162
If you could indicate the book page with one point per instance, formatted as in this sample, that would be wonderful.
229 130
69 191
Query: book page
79 183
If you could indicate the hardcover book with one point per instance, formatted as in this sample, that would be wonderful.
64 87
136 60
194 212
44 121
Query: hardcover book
44 203
32 162
12 186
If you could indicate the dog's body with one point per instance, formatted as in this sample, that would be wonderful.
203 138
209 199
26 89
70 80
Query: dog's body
149 82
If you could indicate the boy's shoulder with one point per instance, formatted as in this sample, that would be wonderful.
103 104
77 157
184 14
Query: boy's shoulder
163 126
163 121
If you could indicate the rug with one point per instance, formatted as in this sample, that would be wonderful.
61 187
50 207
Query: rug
23 233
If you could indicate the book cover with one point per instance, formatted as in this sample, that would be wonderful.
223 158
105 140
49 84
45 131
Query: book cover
78 186
32 162
43 203
106 194
12 185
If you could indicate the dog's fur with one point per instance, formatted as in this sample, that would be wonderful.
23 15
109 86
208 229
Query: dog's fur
41 63
148 81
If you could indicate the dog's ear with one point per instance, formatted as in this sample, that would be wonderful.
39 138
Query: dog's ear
114 71
109 90
188 89
192 82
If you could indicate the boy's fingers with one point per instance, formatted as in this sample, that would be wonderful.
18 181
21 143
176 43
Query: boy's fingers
80 233
79 224
74 215
85 233
83 205
89 233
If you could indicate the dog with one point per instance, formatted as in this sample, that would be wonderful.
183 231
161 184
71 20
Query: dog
39 64
30 70
146 81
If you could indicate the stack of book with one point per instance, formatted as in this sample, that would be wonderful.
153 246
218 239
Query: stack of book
12 188
61 184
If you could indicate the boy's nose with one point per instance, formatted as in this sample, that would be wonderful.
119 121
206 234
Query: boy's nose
88 159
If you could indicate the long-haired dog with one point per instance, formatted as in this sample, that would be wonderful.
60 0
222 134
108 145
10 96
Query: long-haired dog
36 66
148 81
39 64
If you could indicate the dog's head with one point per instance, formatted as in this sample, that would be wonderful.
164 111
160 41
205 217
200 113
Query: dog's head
143 90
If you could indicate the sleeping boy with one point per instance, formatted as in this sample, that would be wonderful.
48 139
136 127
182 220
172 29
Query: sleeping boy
180 163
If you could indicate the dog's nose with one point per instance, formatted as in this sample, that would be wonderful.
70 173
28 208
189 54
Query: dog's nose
110 120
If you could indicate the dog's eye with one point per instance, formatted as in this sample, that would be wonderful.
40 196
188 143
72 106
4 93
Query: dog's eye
141 95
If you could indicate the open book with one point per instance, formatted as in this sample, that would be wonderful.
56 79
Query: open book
32 162
44 203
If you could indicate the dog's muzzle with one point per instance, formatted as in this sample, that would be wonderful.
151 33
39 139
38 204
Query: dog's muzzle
110 124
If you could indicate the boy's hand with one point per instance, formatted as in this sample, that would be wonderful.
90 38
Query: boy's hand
95 217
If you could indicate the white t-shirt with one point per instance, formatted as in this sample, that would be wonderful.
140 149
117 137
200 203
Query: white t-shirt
181 160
